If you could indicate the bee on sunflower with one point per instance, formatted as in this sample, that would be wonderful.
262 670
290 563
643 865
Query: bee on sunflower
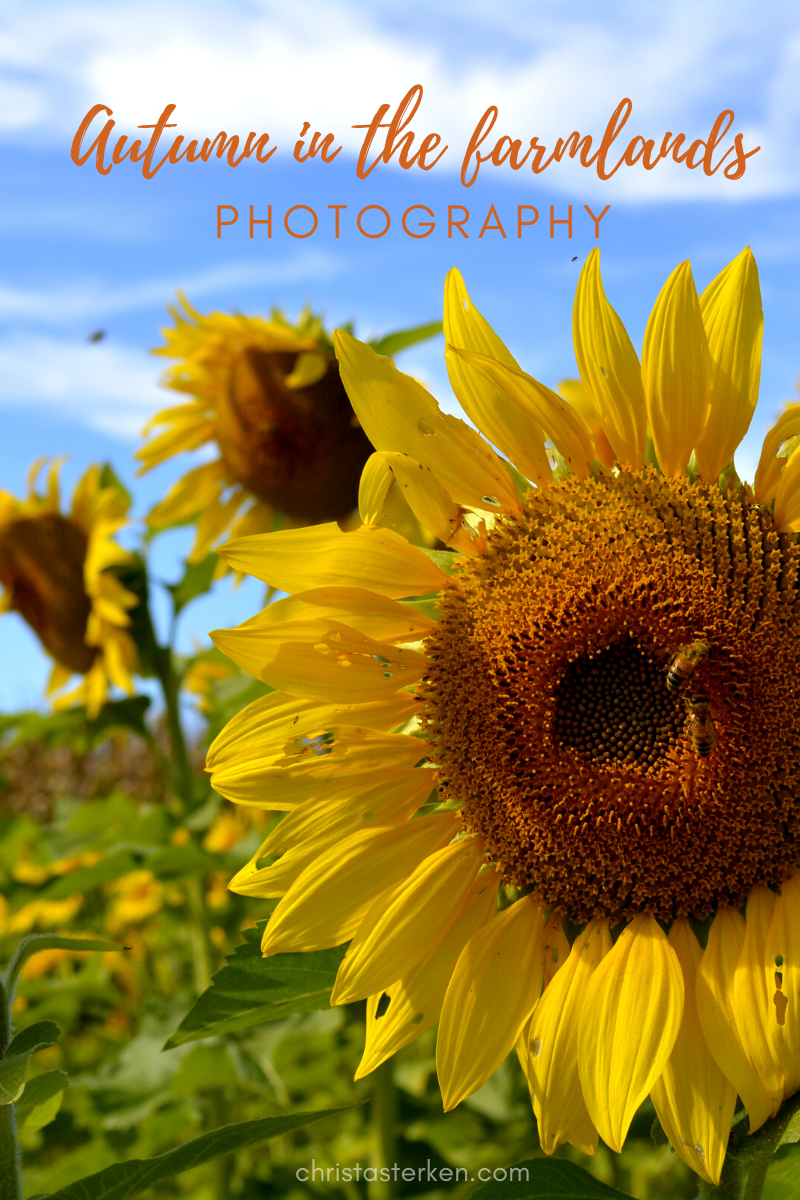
491 791
269 394
56 571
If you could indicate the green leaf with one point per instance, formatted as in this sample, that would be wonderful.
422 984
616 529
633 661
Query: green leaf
250 990
14 1065
546 1179
445 560
393 343
49 941
129 1178
41 1100
197 579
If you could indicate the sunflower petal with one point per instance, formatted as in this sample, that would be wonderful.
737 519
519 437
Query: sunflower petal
376 481
770 466
676 371
787 497
293 560
562 423
693 1099
782 969
317 824
328 902
751 998
628 1026
429 501
513 429
552 1045
734 323
415 1001
408 928
495 985
715 1010
189 495
398 414
608 366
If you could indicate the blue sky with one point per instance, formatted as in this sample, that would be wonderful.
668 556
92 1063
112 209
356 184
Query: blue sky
81 251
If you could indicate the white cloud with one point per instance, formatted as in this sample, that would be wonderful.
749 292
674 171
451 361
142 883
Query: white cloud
89 300
549 67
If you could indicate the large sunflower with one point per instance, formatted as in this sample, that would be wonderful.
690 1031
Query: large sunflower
606 875
55 571
269 395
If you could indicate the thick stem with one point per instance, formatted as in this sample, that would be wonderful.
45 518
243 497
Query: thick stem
184 783
10 1179
222 1168
384 1138
731 1184
202 949
758 1173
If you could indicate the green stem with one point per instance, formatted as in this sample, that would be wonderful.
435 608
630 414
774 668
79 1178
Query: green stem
731 1184
222 1168
757 1176
10 1180
202 949
168 679
384 1137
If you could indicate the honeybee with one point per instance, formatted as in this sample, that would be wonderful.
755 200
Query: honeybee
684 663
701 725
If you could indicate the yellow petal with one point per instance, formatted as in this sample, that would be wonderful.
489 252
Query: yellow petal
577 395
415 1001
352 759
676 371
770 466
693 1099
513 429
277 717
628 1026
429 501
322 556
551 1052
189 495
312 828
376 480
555 948
374 615
398 933
398 414
734 323
330 899
608 366
185 433
562 423
715 1009
752 1001
495 985
787 498
782 971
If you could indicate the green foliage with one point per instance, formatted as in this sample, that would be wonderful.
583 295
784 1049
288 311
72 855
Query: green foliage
393 343
41 1100
197 580
14 1064
250 990
130 1178
546 1179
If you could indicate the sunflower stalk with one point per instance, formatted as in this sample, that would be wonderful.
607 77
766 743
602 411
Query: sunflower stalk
384 1126
10 1181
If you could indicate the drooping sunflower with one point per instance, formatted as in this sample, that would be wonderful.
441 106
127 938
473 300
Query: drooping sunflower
269 395
548 780
55 568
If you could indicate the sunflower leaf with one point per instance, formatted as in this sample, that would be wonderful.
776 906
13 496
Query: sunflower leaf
197 579
545 1179
125 1179
14 1064
393 343
250 990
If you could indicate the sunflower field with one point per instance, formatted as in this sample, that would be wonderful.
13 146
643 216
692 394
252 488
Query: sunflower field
468 866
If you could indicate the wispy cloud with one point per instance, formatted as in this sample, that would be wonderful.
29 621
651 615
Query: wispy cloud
63 304
549 67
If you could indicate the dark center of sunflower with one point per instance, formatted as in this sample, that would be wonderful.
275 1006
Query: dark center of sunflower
299 449
41 566
612 708
550 717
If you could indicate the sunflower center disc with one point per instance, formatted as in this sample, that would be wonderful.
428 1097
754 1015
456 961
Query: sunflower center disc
547 703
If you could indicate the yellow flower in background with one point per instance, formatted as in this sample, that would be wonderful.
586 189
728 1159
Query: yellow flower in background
55 569
268 394
524 675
